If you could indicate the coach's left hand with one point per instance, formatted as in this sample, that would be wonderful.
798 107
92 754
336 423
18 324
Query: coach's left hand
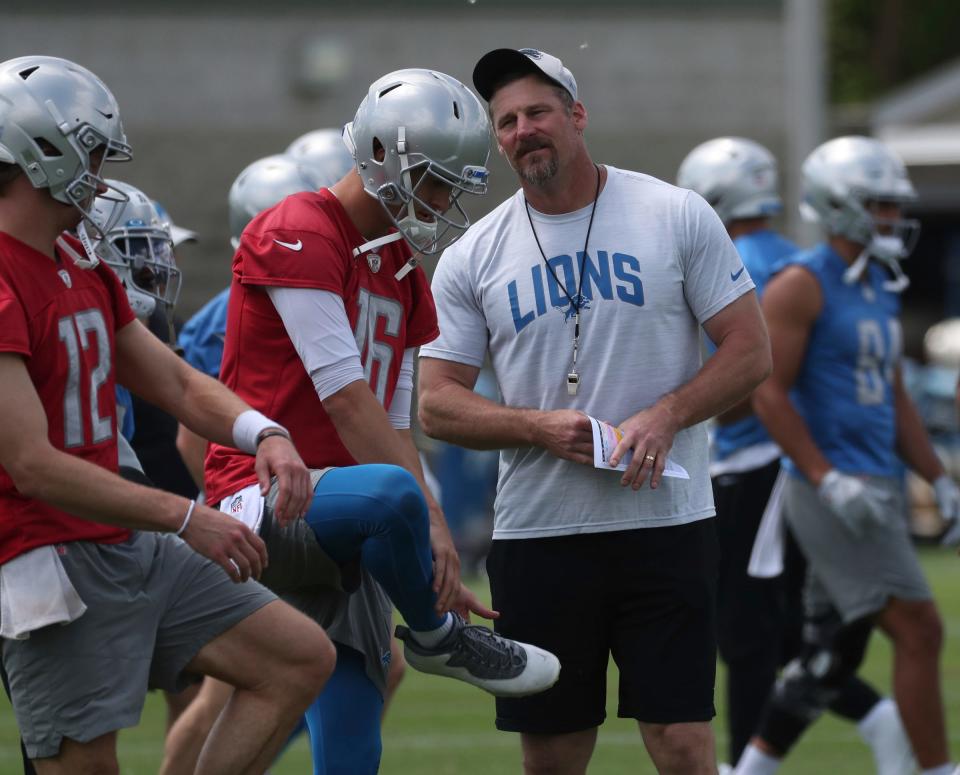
649 433
446 561
276 456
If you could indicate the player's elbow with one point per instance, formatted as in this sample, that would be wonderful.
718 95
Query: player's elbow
29 469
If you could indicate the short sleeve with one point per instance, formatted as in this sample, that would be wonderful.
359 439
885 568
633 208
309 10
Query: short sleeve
422 316
14 334
714 276
463 326
287 259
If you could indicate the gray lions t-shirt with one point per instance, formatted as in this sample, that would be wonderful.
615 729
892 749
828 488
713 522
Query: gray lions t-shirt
658 265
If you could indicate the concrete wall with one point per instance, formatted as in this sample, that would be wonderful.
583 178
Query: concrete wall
203 94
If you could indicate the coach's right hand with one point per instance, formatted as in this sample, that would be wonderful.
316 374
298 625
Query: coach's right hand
227 542
859 505
565 433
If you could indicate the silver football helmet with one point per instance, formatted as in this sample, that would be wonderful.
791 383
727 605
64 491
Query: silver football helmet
260 185
55 116
840 179
138 247
428 124
322 155
736 176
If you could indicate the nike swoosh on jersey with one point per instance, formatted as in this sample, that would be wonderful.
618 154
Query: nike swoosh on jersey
736 275
298 245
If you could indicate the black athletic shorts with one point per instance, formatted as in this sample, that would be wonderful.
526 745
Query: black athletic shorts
646 596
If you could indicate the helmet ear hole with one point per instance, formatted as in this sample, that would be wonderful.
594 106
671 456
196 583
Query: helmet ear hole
379 152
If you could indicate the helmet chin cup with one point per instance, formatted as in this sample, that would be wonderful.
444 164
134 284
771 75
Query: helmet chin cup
887 247
421 235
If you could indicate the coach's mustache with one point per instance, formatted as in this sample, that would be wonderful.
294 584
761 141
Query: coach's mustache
530 145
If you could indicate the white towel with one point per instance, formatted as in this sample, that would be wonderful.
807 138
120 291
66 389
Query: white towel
35 592
766 558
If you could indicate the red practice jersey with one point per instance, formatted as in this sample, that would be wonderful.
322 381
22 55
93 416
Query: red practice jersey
307 241
61 320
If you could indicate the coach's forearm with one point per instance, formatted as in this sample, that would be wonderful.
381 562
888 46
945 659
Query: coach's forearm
454 413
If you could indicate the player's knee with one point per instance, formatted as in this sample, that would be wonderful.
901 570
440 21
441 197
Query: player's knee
305 667
923 634
397 489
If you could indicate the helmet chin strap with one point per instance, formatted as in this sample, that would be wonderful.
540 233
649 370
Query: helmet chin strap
897 284
92 258
373 244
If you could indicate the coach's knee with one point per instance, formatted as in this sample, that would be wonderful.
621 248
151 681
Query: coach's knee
681 748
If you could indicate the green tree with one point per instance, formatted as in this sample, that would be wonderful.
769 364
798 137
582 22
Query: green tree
876 45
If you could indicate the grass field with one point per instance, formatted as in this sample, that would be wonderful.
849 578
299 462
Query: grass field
438 727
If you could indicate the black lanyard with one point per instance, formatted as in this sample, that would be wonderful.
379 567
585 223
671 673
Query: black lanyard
573 378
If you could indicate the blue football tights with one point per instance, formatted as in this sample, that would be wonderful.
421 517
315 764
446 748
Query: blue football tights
344 721
379 513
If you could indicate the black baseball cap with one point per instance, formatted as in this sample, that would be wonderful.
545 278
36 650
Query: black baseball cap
499 62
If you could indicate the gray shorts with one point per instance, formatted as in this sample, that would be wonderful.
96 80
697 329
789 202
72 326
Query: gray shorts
308 579
152 604
857 576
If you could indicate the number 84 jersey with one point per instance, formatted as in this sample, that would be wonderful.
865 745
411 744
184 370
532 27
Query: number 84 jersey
845 387
62 321
307 241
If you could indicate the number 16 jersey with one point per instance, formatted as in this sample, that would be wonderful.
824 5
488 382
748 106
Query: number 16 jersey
307 241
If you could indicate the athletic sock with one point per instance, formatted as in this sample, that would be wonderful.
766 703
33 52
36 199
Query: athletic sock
883 731
431 638
756 762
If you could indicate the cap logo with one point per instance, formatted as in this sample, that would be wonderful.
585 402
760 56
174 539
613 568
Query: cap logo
532 53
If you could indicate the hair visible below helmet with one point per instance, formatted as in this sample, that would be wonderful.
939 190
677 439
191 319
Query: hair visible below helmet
736 176
54 116
138 247
260 185
841 178
428 124
322 155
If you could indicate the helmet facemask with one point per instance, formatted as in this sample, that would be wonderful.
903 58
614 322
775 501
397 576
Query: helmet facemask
139 250
415 171
143 259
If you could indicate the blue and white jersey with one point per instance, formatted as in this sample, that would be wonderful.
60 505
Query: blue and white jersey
844 389
658 265
202 336
762 253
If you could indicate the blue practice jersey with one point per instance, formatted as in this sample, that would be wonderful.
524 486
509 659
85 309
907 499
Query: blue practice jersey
125 412
762 253
844 390
202 336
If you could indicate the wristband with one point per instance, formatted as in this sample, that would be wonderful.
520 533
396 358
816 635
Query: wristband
247 429
274 431
186 519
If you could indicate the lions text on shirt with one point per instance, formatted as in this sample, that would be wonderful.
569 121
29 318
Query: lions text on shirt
659 264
